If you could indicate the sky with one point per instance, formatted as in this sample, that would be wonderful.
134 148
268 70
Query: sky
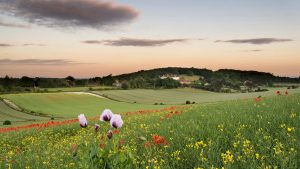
88 38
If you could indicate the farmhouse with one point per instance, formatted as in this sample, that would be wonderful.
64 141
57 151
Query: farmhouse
117 83
174 77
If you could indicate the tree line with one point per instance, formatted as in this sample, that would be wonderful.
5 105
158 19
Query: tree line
218 81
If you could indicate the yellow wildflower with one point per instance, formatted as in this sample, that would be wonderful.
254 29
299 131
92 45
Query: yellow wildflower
290 129
227 157
257 156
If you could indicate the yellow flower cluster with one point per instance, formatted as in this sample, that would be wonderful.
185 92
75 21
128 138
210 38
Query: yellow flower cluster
227 157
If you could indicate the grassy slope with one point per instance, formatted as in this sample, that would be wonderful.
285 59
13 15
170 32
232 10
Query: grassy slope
180 96
254 135
77 89
70 105
7 113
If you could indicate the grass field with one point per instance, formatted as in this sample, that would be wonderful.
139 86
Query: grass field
229 134
180 96
71 104
7 113
190 78
77 89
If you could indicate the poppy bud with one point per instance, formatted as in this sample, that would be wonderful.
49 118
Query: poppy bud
97 127
109 134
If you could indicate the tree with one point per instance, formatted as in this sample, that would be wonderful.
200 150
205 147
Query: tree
7 82
27 82
190 73
125 86
36 82
248 84
70 80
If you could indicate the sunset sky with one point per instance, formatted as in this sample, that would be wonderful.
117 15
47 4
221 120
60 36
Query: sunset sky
87 38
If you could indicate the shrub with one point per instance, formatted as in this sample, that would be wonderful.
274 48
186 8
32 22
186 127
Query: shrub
125 86
52 118
7 122
155 103
193 102
188 102
260 90
161 103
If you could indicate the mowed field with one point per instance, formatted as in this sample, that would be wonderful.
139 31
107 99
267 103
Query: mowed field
69 104
180 96
77 89
7 113
231 134
66 104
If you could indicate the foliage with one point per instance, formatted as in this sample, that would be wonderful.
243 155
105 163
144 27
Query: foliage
7 122
216 80
125 86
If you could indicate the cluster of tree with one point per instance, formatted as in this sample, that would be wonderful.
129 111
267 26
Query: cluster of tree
222 80
9 84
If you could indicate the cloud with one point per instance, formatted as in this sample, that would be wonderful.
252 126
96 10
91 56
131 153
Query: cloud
253 50
92 41
135 42
36 62
257 41
14 25
5 45
33 44
97 14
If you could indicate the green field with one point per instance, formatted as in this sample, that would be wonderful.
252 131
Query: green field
77 89
180 96
231 134
7 113
71 104
190 78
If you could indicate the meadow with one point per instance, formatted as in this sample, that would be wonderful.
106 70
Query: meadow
17 117
247 133
76 89
70 104
181 95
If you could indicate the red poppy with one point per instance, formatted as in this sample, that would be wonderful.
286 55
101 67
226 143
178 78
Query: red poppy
116 131
258 99
121 142
147 144
278 92
101 144
159 140
168 115
286 92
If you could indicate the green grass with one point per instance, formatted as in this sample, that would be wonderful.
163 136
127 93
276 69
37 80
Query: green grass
190 78
180 96
286 84
232 134
70 104
77 89
16 117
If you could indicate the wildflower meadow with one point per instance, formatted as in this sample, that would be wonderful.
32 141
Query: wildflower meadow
252 133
